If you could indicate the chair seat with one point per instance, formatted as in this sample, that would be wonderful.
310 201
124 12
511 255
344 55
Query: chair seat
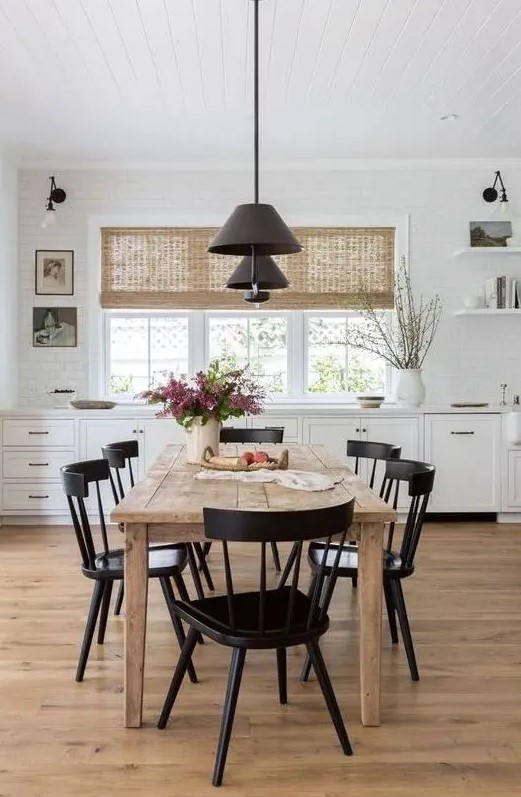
348 567
163 560
211 617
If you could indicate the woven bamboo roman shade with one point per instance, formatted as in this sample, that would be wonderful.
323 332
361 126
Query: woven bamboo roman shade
170 268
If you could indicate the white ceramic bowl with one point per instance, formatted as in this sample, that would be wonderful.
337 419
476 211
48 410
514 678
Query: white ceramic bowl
61 400
370 402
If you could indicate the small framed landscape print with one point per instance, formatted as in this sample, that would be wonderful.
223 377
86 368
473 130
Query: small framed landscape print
54 272
55 326
490 233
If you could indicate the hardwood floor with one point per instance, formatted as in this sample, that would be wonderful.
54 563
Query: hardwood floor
456 732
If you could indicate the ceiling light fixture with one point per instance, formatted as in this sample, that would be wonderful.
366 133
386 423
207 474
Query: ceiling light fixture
56 196
255 230
491 194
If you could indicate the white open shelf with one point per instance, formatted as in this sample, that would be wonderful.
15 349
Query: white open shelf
489 311
489 250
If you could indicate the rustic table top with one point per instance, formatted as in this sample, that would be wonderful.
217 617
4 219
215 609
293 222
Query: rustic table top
170 494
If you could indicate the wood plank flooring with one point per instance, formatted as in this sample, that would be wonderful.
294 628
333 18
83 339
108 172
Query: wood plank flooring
456 732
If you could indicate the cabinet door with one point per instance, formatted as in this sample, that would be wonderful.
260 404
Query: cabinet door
153 435
331 432
514 479
289 423
402 432
95 434
466 452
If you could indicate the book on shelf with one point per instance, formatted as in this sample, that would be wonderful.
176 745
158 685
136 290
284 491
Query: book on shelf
503 293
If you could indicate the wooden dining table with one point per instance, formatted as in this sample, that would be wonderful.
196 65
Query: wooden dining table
167 506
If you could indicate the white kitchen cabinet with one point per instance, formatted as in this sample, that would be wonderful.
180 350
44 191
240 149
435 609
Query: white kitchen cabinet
290 423
335 432
513 497
466 451
153 435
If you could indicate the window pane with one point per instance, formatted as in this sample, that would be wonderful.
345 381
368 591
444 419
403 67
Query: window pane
143 349
128 367
168 347
335 367
259 341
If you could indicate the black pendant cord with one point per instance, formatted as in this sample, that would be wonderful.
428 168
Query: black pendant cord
256 101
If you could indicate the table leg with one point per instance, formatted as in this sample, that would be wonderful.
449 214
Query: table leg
136 595
370 588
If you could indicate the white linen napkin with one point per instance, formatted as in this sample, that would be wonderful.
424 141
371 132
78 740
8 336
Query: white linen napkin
295 479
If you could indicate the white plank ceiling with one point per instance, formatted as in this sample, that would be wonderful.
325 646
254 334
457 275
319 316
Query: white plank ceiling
171 79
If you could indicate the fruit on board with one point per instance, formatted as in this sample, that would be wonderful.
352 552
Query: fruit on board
260 456
248 457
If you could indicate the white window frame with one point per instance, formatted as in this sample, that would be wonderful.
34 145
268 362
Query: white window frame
198 346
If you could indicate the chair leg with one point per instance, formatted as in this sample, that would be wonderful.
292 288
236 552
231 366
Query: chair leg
168 592
206 548
203 565
105 606
119 599
282 673
401 611
306 667
95 603
319 666
192 564
391 611
276 557
354 581
289 564
179 674
183 593
230 703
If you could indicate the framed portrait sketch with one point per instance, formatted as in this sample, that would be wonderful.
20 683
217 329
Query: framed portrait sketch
55 326
54 272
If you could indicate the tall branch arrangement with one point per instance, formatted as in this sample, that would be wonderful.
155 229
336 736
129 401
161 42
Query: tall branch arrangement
405 342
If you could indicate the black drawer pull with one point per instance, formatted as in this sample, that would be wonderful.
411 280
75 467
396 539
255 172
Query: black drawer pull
38 432
462 432
38 496
38 464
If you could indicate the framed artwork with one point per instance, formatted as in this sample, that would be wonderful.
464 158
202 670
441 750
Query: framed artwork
54 272
490 233
55 326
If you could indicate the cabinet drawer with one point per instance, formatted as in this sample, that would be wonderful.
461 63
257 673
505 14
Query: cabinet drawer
34 497
37 464
40 432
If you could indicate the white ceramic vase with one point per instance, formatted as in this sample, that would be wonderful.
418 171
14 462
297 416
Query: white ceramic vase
200 435
410 390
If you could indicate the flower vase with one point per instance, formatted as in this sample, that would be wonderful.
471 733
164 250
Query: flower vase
410 391
199 436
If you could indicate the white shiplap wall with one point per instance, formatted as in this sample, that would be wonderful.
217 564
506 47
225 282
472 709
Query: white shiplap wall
472 355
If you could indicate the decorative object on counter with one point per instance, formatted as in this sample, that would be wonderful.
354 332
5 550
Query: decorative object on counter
503 401
61 398
490 233
258 460
54 272
404 344
202 403
55 326
469 404
56 197
255 230
92 404
370 402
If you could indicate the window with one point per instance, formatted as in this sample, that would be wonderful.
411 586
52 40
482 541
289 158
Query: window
294 354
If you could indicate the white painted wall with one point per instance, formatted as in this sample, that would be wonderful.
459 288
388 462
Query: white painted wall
8 282
472 355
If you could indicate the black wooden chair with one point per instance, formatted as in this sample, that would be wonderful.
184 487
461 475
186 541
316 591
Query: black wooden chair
419 476
106 566
270 434
120 456
272 619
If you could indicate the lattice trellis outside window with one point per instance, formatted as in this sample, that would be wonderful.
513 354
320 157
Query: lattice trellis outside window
169 268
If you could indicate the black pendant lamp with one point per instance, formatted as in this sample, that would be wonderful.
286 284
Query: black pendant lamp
255 230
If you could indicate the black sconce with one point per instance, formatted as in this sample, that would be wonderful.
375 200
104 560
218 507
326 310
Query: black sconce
56 196
491 193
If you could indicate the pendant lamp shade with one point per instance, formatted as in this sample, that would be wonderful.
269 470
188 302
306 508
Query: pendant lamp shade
269 275
257 225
